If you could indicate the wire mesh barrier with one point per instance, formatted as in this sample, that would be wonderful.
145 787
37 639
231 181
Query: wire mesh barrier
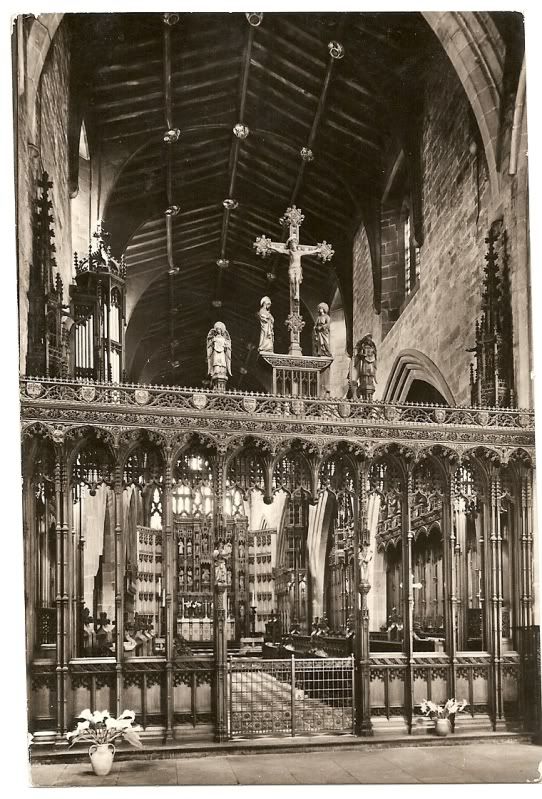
290 697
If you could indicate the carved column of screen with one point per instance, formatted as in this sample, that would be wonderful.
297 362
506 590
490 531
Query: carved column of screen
407 506
526 510
119 586
168 571
58 598
237 589
528 703
361 587
32 567
495 595
451 572
66 590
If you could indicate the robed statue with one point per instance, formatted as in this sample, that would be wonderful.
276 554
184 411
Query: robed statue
267 335
362 375
321 331
218 356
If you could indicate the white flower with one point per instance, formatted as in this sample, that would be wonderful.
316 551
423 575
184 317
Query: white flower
101 727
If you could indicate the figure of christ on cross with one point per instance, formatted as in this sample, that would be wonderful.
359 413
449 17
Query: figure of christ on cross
296 251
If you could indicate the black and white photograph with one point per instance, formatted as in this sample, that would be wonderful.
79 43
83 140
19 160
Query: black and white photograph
276 395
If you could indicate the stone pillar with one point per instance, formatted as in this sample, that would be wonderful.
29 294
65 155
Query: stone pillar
220 646
169 578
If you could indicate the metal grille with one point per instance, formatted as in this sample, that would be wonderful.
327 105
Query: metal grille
290 697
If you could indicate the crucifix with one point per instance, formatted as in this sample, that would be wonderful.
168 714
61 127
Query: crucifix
293 219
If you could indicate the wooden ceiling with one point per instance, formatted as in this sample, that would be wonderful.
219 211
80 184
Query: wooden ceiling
139 76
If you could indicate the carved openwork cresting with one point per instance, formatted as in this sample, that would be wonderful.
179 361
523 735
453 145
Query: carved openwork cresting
61 405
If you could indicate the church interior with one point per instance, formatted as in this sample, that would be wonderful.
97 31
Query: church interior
275 358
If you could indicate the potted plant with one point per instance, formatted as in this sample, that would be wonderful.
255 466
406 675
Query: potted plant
101 729
442 713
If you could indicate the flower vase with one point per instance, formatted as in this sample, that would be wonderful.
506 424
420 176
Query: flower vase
442 727
101 758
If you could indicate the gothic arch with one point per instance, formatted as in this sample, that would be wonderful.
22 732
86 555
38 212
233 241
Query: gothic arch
475 48
39 40
413 365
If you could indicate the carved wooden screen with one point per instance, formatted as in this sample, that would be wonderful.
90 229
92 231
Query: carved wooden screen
93 517
194 593
193 506
237 574
43 547
291 476
144 607
428 575
245 474
469 561
336 476
385 491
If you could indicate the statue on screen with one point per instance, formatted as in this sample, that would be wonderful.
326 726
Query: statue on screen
267 336
362 374
321 332
219 356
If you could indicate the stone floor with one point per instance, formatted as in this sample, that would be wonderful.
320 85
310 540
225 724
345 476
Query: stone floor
466 763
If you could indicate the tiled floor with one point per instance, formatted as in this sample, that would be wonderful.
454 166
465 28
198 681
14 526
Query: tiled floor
469 763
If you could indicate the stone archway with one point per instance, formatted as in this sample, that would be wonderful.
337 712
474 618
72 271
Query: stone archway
411 366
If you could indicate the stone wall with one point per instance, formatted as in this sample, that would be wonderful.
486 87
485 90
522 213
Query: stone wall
439 317
42 121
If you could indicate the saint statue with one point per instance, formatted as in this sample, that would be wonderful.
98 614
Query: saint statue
362 374
321 332
219 356
267 336
367 374
365 557
221 575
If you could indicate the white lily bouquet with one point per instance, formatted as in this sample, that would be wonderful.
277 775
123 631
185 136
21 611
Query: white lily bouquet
102 728
435 711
